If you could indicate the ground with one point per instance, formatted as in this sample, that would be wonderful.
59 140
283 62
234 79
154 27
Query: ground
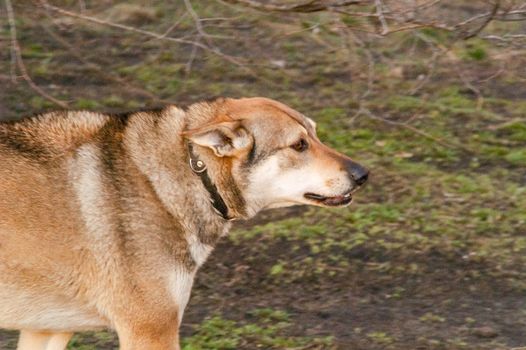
431 255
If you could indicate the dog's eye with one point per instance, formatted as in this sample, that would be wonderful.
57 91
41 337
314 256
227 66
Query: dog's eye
300 146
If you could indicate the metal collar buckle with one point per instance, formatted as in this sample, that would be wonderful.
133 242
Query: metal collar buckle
197 166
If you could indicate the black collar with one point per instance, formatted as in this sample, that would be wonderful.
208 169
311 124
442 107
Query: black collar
199 168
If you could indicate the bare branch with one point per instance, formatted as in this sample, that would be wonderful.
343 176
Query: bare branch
82 6
197 22
174 25
305 7
188 66
505 38
16 55
486 21
379 12
102 72
215 51
471 87
432 66
366 112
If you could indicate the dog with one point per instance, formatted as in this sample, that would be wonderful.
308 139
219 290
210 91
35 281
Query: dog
105 219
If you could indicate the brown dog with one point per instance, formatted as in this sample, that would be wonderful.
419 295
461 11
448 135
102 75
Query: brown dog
104 220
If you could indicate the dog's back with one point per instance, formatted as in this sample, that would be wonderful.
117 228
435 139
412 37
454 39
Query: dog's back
50 136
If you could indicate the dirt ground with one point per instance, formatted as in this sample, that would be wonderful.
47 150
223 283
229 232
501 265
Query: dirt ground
432 253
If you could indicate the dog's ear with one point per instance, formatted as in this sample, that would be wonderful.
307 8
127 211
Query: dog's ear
311 122
226 139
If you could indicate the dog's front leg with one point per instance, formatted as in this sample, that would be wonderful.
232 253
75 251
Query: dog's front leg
34 340
155 324
149 337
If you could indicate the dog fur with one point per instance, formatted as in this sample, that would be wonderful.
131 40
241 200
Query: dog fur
103 224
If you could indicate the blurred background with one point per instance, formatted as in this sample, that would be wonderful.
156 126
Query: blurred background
429 94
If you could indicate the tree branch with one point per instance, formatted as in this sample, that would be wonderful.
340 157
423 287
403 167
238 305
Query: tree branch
16 58
486 21
163 36
305 7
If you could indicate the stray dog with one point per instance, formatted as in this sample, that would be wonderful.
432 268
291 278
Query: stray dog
105 219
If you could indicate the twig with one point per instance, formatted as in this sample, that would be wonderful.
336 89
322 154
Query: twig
202 34
16 52
505 38
210 19
370 68
437 51
82 6
501 70
103 73
368 113
486 21
294 32
143 32
427 5
471 87
380 13
346 33
505 17
213 50
432 66
197 22
471 19
414 9
175 25
494 14
13 52
404 25
188 66
305 7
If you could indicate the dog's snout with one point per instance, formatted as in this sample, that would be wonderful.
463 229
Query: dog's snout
358 173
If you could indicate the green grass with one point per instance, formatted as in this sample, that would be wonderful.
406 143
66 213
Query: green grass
380 338
93 341
264 332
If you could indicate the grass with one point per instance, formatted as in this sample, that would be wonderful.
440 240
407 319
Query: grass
219 333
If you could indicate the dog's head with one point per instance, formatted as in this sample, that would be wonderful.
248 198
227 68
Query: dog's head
274 156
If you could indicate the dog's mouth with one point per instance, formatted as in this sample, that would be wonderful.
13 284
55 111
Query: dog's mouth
335 201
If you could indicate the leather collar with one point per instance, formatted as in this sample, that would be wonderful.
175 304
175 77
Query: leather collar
199 168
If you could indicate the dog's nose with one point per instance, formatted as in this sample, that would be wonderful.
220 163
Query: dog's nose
358 173
362 177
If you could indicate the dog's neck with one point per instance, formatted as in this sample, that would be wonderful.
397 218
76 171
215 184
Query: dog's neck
219 170
160 153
